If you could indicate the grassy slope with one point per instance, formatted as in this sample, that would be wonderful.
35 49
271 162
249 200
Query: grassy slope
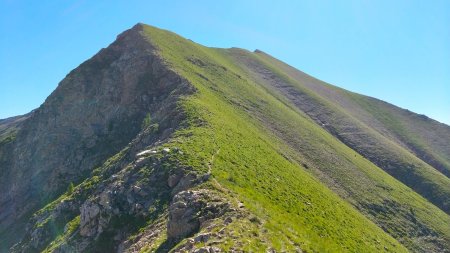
352 124
408 129
428 139
252 162
384 200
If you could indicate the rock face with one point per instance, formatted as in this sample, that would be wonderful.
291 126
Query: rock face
100 106
189 209
183 219
89 225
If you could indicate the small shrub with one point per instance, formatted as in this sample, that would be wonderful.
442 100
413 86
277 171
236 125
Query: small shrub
146 122
70 188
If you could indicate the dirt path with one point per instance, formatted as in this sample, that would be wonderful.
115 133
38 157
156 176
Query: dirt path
211 161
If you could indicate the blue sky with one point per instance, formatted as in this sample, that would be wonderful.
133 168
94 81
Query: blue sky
398 51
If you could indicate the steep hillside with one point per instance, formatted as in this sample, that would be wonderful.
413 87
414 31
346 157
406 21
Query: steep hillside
358 130
159 144
387 202
427 139
93 114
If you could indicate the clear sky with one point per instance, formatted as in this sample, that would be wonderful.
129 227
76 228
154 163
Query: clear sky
398 51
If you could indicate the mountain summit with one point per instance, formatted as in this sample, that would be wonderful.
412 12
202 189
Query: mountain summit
159 144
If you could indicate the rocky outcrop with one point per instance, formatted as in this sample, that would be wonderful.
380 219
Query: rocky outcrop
90 225
189 209
119 204
94 113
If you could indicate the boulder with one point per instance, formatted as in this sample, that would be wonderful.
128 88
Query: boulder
88 222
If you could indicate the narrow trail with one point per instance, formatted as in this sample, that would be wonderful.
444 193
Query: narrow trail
211 161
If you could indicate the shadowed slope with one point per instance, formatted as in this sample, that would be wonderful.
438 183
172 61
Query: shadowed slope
94 113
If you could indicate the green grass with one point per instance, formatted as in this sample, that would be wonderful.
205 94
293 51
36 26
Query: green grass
355 178
411 130
386 129
7 138
297 207
70 229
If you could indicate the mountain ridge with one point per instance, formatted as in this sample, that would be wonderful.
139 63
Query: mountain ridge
218 145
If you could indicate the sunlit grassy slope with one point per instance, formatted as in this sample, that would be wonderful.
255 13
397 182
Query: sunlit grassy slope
411 147
390 204
426 138
310 188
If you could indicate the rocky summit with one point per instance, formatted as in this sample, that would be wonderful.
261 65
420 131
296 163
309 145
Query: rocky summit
159 144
